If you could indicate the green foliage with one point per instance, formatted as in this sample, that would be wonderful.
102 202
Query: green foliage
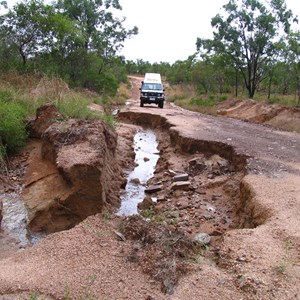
203 102
180 71
148 213
75 40
32 27
247 34
223 97
12 125
73 106
76 106
3 165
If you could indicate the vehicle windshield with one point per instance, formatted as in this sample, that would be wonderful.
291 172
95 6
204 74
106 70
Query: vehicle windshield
152 86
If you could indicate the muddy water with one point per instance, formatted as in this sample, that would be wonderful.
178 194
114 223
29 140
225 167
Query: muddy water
146 156
15 218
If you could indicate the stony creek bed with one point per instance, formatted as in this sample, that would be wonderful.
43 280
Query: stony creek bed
146 156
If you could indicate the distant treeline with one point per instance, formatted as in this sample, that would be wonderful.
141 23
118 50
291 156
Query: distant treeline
253 47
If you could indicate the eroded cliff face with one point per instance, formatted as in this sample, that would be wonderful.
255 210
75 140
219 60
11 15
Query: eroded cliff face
72 171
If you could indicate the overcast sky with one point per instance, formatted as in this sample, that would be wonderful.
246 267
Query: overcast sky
168 30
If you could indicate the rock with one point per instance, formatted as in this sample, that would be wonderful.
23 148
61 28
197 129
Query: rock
168 286
135 181
45 116
217 165
153 189
202 238
146 203
171 172
196 166
180 185
123 183
96 107
115 112
120 236
161 199
181 177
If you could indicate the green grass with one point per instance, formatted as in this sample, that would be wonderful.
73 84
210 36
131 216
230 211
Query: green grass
12 125
19 104
74 106
203 102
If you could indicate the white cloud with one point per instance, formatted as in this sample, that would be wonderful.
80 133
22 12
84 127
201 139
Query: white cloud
168 30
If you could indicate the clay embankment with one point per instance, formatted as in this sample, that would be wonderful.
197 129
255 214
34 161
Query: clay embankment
275 115
70 169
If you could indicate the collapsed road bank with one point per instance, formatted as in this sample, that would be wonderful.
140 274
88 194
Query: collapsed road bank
91 249
269 193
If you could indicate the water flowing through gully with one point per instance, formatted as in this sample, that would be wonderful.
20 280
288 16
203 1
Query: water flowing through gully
15 218
146 157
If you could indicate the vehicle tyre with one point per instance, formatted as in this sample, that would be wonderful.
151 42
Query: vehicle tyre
161 104
142 103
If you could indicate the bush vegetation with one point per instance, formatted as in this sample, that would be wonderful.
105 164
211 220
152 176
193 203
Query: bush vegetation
18 105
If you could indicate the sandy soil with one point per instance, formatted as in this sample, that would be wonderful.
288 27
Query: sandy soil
255 246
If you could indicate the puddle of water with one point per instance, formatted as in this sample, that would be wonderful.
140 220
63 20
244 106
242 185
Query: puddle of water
15 218
146 156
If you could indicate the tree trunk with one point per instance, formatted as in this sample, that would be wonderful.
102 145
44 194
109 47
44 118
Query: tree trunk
236 82
22 55
269 87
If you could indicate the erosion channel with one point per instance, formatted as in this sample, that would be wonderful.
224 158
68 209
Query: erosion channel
219 215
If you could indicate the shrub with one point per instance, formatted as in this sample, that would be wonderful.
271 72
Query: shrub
74 107
222 97
202 102
12 125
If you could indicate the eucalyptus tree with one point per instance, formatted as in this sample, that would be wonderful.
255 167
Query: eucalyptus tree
102 32
248 32
292 54
91 62
31 27
180 71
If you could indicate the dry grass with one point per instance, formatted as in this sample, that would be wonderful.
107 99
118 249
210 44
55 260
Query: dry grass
124 92
162 252
183 96
180 91
19 81
49 89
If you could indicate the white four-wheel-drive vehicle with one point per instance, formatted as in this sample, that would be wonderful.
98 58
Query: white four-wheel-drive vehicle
152 90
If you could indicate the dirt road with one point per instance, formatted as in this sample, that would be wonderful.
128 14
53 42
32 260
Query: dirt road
243 191
269 159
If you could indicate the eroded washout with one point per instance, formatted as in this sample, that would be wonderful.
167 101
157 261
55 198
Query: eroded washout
199 183
146 156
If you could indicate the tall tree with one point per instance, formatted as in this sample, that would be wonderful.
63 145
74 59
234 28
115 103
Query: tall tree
103 33
31 27
249 32
293 58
